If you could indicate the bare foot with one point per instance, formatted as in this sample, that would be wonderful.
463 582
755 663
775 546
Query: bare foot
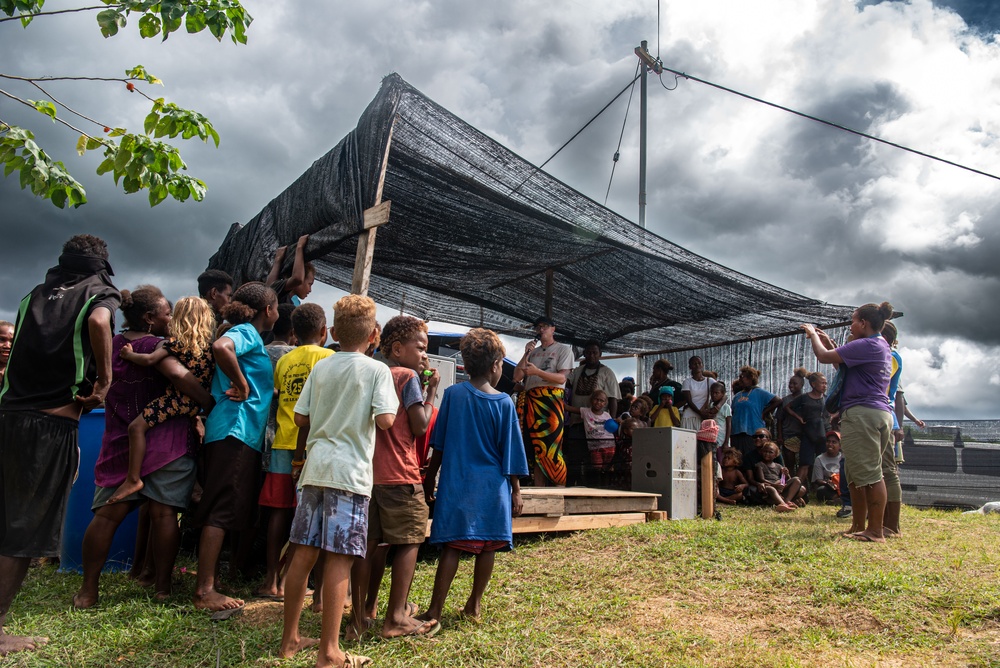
213 601
865 537
290 648
161 595
413 627
10 644
356 629
126 489
82 601
471 612
146 579
782 508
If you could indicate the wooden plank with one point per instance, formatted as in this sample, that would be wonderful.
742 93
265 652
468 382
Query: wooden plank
363 262
583 491
576 522
656 516
542 505
366 240
377 215
609 504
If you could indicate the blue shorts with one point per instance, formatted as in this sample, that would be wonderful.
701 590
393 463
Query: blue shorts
332 520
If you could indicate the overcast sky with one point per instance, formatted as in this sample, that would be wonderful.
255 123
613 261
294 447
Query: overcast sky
803 206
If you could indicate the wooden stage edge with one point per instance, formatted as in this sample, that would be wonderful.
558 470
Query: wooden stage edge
579 508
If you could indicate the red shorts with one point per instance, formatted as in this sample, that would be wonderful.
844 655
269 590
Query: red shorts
278 491
478 546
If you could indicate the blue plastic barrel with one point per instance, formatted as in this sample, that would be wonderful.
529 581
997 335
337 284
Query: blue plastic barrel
78 513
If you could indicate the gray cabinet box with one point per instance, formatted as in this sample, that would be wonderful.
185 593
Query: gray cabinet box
665 461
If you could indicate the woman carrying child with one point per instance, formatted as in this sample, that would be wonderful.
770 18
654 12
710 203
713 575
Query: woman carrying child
478 450
191 332
168 469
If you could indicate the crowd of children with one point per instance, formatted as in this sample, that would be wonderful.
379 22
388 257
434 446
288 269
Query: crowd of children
348 454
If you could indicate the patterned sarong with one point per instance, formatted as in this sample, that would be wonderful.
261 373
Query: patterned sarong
542 420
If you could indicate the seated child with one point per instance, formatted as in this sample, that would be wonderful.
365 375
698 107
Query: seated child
479 451
192 329
826 469
278 493
774 482
732 484
337 429
664 414
600 441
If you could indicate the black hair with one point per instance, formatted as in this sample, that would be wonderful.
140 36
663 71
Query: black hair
307 320
213 278
875 314
86 244
283 325
137 303
249 300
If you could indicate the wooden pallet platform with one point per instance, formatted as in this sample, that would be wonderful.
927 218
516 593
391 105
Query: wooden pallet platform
577 508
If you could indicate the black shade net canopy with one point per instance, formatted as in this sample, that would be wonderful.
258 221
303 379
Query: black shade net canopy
478 236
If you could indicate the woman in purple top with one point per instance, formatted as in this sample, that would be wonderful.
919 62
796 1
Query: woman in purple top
866 424
168 469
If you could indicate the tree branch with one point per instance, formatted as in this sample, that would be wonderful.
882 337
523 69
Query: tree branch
34 80
67 107
53 13
57 119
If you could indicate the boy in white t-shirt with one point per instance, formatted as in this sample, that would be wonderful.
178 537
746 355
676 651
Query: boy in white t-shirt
344 399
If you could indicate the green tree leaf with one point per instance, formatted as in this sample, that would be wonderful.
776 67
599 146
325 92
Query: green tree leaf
110 20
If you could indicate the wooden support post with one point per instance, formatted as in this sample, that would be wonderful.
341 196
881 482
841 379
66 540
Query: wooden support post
707 488
374 217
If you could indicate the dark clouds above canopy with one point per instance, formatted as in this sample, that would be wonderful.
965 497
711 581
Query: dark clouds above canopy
746 186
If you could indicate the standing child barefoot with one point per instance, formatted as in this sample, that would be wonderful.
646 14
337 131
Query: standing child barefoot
478 449
192 327
344 399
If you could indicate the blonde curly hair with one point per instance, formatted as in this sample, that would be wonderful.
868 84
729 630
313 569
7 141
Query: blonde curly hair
192 324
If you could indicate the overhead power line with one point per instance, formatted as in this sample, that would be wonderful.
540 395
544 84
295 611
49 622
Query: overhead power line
576 134
831 124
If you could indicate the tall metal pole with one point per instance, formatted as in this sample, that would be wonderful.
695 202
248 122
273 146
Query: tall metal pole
648 62
642 142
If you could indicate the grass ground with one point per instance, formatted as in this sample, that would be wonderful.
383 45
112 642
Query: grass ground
755 589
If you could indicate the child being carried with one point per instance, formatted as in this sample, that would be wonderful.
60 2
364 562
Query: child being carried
192 329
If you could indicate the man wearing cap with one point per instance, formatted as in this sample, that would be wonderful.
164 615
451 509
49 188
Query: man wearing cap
543 369
59 365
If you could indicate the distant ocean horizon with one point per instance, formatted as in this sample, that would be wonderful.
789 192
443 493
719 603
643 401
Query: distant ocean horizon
979 430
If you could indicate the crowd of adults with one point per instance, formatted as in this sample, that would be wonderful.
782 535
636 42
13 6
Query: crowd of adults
842 445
